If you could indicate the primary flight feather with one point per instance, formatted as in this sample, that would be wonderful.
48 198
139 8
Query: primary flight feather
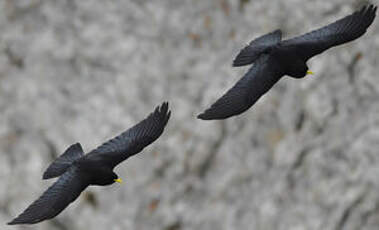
274 58
78 171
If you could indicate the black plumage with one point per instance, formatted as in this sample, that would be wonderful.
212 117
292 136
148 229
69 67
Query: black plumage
274 58
78 171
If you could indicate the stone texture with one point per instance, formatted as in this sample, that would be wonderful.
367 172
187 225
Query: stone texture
305 157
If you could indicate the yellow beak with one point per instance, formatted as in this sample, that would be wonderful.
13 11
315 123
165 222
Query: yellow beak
310 72
119 180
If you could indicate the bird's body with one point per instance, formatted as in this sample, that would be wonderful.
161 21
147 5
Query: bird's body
288 62
95 171
77 171
274 58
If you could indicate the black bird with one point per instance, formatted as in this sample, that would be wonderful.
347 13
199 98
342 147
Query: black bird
77 171
274 58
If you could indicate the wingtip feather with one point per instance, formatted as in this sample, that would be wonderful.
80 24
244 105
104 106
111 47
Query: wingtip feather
367 9
168 115
11 223
17 220
210 114
201 116
162 112
45 176
241 60
205 118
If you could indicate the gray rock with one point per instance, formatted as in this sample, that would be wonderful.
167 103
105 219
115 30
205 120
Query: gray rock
304 157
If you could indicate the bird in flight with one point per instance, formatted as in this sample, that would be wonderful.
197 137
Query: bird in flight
77 171
274 58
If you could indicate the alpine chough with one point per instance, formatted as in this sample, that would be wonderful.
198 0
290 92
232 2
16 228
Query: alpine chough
274 58
78 171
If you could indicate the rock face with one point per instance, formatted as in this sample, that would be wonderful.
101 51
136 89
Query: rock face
305 157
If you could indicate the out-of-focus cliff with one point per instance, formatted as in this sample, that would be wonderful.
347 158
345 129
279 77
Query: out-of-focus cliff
306 156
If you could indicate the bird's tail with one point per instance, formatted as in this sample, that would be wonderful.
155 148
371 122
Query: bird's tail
255 48
64 161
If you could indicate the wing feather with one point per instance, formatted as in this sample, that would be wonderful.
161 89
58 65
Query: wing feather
135 139
256 82
257 47
344 30
55 199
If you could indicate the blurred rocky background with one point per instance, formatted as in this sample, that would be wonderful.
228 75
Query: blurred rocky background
305 157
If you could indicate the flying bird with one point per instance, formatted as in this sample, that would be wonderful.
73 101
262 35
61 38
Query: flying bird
274 58
77 171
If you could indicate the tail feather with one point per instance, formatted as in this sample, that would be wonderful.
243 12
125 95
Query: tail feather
253 51
64 161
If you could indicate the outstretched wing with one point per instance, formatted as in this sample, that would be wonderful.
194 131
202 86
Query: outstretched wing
134 139
256 82
344 30
64 161
56 198
257 47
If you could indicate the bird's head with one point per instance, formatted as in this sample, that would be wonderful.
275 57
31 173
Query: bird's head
116 178
298 69
105 177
